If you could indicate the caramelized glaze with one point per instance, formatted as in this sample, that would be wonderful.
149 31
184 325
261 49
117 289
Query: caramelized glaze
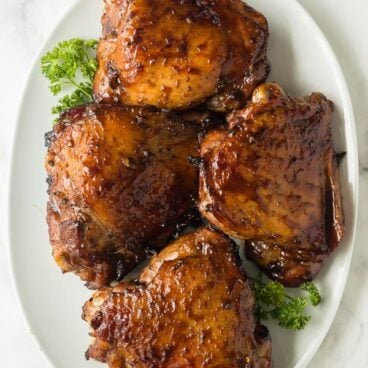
272 180
191 307
175 54
119 180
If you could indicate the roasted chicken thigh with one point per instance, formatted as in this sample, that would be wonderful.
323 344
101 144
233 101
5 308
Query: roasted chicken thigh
119 181
191 307
174 54
272 179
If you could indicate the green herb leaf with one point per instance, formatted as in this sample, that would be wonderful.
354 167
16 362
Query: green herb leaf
291 314
71 66
314 295
272 301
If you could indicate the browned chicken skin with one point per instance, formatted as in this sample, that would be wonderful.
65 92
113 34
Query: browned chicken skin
177 53
191 307
272 179
119 180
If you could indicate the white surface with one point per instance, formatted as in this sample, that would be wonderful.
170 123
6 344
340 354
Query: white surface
24 24
302 61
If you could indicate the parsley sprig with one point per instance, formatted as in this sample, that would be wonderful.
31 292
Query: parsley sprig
71 66
272 301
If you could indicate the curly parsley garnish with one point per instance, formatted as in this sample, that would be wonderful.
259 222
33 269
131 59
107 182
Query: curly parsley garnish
71 66
273 302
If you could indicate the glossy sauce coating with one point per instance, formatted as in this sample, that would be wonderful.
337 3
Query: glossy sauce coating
191 307
119 181
272 180
174 54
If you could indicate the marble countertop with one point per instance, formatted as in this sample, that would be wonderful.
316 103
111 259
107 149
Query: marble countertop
24 24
